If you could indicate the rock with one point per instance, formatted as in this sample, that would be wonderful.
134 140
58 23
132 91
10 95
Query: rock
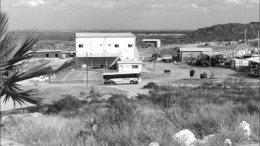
185 137
17 116
154 144
6 118
227 142
206 139
95 127
35 114
5 142
245 128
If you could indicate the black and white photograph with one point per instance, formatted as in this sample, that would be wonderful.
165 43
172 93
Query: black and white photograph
129 72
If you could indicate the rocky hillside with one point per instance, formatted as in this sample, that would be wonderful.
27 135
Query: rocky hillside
223 32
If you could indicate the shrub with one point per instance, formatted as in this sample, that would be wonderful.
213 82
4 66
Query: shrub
93 93
253 108
68 104
151 85
120 109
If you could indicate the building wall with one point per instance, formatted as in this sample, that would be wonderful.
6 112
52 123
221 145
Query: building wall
187 56
98 47
43 54
134 67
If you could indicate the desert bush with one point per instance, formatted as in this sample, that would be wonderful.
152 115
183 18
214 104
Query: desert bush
120 109
151 85
68 106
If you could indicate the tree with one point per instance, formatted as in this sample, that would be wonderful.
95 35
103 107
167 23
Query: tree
14 49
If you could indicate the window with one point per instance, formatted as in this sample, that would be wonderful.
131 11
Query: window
116 45
80 45
130 45
56 55
47 55
135 66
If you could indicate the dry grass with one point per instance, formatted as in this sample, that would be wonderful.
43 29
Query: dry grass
154 117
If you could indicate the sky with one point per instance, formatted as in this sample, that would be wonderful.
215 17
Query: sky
127 14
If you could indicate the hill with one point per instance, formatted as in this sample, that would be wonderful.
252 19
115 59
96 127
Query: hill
223 32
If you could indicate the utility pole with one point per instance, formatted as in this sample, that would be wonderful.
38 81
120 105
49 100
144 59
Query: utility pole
245 36
87 67
155 57
259 51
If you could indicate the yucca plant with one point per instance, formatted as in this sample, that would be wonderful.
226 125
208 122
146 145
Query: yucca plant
13 50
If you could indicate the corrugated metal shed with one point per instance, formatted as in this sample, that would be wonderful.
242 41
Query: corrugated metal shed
195 49
213 53
130 62
96 35
151 40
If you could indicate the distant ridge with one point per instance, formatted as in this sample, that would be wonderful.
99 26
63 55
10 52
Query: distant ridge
223 32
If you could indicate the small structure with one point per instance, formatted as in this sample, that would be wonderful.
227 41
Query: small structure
238 63
188 54
47 54
129 66
151 43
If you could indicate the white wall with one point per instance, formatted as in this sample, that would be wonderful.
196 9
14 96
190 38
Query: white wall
99 47
128 68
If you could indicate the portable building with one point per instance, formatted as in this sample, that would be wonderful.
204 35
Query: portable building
130 66
47 54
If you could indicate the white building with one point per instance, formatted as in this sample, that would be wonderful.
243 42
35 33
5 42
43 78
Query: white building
105 48
130 66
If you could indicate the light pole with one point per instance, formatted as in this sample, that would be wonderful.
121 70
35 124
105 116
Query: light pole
87 67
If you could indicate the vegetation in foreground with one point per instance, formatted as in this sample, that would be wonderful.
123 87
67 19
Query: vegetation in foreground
14 50
153 117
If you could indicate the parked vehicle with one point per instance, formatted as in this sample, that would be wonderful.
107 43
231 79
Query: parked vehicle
40 79
253 66
122 78
209 59
253 70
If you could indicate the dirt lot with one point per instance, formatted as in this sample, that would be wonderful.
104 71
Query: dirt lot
151 73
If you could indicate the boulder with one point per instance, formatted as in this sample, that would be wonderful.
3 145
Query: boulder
185 137
206 139
35 114
245 129
5 142
227 142
95 127
154 144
